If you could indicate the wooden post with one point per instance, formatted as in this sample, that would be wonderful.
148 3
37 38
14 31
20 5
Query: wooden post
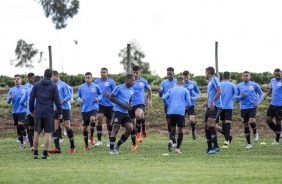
216 60
128 60
50 57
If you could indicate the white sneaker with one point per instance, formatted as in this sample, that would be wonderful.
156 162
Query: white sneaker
174 145
275 142
256 137
98 143
61 140
226 143
108 145
65 131
18 141
113 152
25 140
249 146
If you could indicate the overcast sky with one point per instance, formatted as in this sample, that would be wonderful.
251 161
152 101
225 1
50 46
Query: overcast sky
178 33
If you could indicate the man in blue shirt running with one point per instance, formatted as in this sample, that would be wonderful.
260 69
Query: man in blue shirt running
246 93
167 84
213 106
194 91
30 78
107 85
178 100
88 96
122 97
275 108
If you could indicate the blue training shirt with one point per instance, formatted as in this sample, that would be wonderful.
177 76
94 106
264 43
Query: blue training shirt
89 92
123 94
213 84
177 99
107 85
28 85
276 86
139 87
25 100
250 90
166 85
193 89
227 96
64 93
18 92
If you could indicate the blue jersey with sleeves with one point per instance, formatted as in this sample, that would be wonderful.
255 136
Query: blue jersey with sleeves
276 86
177 99
18 92
165 86
213 84
250 90
71 93
64 93
193 89
25 100
28 85
139 87
227 96
89 92
107 85
123 94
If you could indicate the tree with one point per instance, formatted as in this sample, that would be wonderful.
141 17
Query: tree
60 10
24 54
136 55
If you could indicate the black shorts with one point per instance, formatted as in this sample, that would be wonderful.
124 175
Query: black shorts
19 118
30 120
121 118
86 117
212 114
190 111
132 111
46 124
246 114
274 111
176 119
106 110
65 113
226 114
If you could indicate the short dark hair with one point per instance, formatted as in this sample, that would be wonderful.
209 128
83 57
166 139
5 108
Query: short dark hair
246 72
170 69
104 68
17 75
36 78
277 70
226 75
55 73
135 68
180 79
30 75
128 76
210 70
88 73
48 73
186 73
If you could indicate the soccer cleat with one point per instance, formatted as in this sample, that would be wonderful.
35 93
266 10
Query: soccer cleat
18 141
31 149
217 149
144 134
116 147
275 143
134 147
113 152
256 137
209 152
55 150
230 139
61 140
72 151
25 140
138 137
86 148
22 146
249 146
174 145
169 146
108 144
178 151
194 135
98 143
92 140
45 157
226 143
35 156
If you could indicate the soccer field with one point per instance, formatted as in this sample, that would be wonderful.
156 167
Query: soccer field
236 164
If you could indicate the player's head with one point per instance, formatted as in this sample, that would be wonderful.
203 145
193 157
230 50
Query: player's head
55 76
186 75
36 79
129 80
180 81
48 73
136 72
104 73
17 80
226 75
246 76
30 77
88 77
277 74
170 73
210 72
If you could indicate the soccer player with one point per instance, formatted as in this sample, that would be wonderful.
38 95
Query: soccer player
228 91
167 84
194 91
19 111
30 120
177 100
122 97
213 109
45 93
88 96
246 93
65 97
30 78
138 102
106 85
275 108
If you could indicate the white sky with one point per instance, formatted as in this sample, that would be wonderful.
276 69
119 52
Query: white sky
178 33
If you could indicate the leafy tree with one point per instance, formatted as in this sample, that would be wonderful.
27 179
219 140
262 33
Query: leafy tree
24 54
136 55
60 10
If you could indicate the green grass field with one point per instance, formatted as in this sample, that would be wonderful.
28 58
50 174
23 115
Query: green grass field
261 164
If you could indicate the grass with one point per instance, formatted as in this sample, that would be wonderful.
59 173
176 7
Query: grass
261 164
